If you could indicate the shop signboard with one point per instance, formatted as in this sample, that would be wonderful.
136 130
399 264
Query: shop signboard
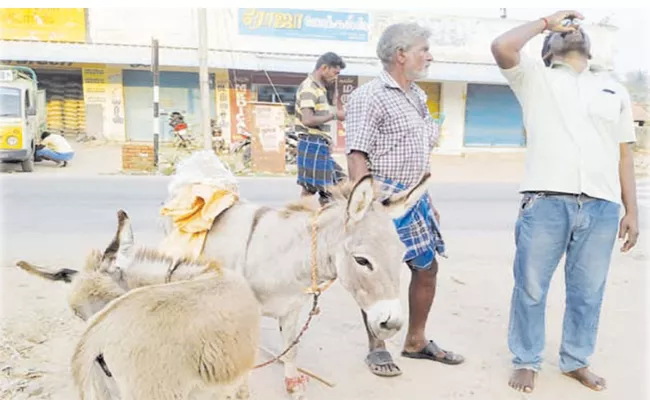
43 24
304 24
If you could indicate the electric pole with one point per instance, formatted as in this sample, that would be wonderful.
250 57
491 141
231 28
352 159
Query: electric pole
204 84
156 98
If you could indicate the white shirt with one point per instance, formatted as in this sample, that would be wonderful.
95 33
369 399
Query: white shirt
575 123
57 143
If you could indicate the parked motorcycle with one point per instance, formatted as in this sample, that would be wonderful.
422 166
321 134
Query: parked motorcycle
218 142
290 147
179 129
243 147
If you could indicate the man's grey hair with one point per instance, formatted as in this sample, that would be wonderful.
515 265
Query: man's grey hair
400 36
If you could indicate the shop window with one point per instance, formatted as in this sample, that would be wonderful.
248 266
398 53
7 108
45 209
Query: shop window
279 94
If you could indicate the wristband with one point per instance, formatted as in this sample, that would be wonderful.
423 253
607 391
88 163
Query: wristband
545 24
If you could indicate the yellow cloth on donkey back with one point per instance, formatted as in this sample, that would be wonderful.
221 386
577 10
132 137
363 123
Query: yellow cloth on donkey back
193 211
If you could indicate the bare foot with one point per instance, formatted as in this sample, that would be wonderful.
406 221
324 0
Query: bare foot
587 378
522 380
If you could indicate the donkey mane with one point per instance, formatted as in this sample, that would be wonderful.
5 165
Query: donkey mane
147 254
340 192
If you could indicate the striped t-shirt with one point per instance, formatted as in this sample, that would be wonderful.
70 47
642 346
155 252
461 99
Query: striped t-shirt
311 94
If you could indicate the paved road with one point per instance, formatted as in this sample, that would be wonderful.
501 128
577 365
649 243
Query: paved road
70 205
76 204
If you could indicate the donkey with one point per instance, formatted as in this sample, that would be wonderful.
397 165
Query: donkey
191 339
356 241
108 275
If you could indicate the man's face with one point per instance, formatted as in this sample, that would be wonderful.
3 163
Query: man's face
330 74
562 43
416 60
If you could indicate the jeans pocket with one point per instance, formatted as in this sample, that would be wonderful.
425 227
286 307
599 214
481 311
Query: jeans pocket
527 202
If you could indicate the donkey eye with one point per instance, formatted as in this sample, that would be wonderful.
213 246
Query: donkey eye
364 262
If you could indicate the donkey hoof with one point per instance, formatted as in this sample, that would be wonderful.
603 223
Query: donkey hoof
296 386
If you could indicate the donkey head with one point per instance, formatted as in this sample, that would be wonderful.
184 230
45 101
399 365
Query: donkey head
370 261
93 288
101 279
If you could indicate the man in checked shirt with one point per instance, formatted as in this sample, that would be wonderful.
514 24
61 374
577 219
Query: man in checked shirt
391 134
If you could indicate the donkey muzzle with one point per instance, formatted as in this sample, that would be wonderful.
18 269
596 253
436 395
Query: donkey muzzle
385 318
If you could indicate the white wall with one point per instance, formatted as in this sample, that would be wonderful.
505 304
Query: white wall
172 27
467 39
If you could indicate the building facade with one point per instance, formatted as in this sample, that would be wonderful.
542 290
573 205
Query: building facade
95 66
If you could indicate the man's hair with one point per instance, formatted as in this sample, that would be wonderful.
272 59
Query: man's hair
331 60
400 36
44 135
546 50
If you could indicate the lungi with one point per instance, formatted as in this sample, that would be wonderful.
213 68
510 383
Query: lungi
316 168
417 228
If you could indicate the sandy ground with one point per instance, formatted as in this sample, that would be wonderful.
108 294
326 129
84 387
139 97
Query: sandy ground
470 316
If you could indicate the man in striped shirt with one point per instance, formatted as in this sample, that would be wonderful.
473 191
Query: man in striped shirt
316 168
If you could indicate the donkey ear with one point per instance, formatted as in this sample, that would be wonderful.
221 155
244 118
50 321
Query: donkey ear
361 198
121 247
399 203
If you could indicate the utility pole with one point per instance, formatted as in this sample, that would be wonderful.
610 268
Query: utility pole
156 99
204 84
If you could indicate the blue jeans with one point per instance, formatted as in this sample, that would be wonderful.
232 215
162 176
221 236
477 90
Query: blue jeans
548 226
54 155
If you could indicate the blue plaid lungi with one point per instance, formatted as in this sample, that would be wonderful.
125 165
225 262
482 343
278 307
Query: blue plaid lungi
316 168
417 229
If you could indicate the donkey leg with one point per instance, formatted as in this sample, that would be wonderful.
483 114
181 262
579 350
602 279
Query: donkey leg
294 382
242 391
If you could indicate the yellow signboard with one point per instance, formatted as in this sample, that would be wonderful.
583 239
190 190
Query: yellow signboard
43 24
95 84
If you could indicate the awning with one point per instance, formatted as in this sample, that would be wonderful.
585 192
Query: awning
226 59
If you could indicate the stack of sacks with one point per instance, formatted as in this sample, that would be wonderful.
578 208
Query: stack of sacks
73 108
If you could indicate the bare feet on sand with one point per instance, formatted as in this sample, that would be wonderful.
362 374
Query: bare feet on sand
587 378
522 380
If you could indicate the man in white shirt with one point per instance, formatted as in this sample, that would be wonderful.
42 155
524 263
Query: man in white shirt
55 148
579 170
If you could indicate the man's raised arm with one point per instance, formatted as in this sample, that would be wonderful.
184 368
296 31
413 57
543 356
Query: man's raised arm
506 47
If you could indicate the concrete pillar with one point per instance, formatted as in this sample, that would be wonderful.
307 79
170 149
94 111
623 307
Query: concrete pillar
453 106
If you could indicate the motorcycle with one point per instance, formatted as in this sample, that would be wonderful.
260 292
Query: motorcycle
218 142
179 129
243 147
290 147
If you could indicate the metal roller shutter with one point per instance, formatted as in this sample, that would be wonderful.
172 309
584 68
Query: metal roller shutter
493 117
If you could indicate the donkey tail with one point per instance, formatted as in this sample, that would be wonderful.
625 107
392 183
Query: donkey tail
64 274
